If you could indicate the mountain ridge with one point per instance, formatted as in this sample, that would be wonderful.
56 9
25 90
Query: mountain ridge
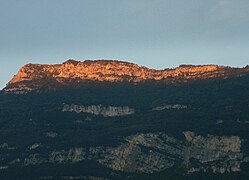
188 126
34 76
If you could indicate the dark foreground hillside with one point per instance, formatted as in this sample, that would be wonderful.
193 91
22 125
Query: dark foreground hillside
196 130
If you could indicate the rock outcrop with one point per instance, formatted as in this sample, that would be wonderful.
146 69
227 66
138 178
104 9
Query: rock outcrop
110 111
73 155
153 152
212 149
149 153
37 76
169 106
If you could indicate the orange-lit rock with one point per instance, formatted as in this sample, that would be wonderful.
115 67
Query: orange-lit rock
112 71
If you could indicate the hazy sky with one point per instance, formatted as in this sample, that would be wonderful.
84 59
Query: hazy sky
154 33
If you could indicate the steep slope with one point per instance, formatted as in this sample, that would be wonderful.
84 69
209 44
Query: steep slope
37 76
119 131
125 128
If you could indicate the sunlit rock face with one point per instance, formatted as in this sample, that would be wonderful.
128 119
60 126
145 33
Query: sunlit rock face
109 111
36 76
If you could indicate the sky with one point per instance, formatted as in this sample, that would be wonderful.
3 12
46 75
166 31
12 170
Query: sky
155 33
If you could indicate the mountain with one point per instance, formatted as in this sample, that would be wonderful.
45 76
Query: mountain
117 120
33 77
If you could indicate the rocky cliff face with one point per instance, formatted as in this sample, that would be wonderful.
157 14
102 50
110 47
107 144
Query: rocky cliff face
149 153
37 76
154 152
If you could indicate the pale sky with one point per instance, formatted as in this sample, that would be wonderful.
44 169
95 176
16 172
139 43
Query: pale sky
153 33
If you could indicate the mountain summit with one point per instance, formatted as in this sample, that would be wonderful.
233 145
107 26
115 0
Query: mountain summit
33 77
